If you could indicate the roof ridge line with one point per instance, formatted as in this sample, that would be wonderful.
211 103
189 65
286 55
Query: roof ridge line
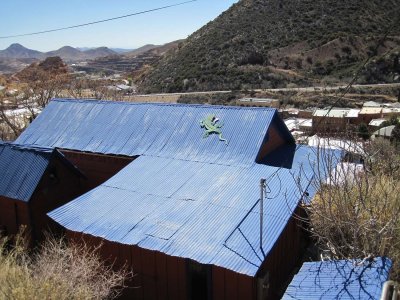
89 100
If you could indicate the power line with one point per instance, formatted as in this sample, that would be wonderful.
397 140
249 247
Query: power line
97 22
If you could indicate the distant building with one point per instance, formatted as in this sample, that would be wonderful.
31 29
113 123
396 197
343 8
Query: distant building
353 117
369 113
372 104
296 113
259 102
376 123
391 112
385 132
327 121
299 125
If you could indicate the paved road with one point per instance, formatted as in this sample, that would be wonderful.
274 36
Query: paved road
301 89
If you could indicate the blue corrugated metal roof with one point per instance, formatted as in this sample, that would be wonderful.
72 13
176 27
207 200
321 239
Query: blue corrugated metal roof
21 168
342 279
192 209
163 130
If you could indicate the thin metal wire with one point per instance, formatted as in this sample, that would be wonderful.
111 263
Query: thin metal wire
97 22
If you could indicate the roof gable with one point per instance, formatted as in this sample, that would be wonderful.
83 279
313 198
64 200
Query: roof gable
164 130
23 166
21 169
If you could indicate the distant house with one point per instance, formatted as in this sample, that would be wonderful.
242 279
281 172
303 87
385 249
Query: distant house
300 125
369 113
330 120
34 181
259 102
340 279
185 213
384 132
372 104
353 117
391 112
296 113
376 123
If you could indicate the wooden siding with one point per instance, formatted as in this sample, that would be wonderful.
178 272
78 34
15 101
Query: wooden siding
13 214
98 168
275 140
59 185
284 257
163 277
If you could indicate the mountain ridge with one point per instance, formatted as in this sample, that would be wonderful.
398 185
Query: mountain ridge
67 53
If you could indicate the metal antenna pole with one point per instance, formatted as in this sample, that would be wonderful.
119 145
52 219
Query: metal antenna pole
262 186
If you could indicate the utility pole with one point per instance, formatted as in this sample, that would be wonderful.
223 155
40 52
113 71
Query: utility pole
262 188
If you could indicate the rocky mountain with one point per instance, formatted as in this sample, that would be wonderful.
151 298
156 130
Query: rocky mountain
274 43
67 53
19 51
99 52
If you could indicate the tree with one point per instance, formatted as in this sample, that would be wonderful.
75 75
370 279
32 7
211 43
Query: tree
396 134
356 213
363 131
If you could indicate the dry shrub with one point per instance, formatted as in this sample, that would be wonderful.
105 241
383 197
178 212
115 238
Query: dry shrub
57 271
359 215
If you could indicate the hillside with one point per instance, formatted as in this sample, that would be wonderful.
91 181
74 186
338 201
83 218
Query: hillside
272 43
51 67
134 62
153 49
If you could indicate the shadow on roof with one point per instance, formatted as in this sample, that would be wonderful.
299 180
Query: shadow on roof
282 157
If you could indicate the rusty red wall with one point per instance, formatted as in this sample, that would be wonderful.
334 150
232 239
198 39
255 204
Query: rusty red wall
157 276
97 167
53 192
228 285
285 256
163 277
13 214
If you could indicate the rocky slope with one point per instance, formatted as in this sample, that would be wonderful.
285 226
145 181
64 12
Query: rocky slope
274 43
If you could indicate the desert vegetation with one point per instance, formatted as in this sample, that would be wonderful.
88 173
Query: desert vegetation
356 213
56 270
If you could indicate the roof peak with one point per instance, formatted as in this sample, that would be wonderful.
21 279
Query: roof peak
112 102
27 147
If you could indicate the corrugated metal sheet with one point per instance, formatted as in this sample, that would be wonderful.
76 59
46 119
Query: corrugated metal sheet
339 280
21 169
164 130
194 210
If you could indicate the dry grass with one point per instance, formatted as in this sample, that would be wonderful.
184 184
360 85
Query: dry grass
360 216
57 271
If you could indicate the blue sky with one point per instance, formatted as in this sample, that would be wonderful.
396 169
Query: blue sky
24 16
